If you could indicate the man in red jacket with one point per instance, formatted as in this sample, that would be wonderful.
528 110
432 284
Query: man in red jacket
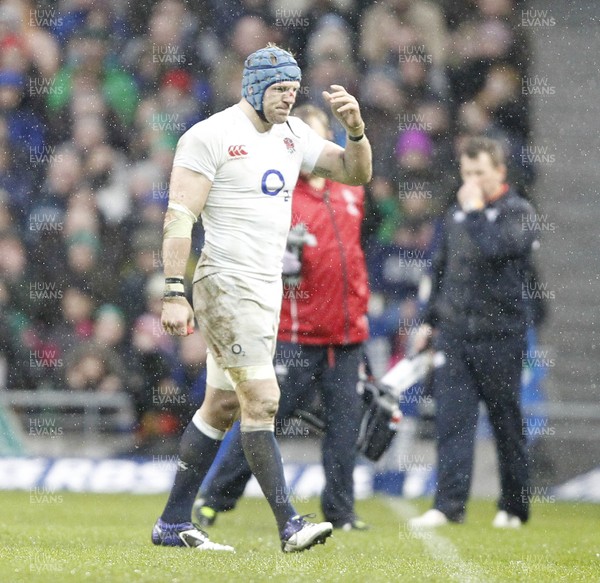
322 327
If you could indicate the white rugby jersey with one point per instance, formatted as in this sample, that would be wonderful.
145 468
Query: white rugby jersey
248 210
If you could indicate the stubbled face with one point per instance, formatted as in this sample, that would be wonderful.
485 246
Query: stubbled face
482 170
278 101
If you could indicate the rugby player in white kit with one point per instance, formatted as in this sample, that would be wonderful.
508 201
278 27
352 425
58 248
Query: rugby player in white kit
238 169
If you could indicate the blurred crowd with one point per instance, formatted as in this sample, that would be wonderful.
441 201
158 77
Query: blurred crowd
93 97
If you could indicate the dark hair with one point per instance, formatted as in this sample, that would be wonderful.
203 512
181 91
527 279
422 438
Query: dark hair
476 145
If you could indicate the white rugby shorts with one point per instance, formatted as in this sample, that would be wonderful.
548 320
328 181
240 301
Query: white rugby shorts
238 318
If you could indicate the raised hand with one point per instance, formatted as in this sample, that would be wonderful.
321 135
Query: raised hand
345 108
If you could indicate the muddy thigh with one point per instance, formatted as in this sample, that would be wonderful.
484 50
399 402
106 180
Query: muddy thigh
237 319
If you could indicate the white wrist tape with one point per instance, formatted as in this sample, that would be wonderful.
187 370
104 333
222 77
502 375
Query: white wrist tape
174 287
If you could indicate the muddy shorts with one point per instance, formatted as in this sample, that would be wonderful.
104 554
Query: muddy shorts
238 318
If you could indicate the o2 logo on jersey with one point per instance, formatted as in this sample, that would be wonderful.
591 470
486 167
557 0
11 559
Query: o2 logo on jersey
272 182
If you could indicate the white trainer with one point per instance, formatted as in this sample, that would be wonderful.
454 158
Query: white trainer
505 520
185 534
300 535
431 519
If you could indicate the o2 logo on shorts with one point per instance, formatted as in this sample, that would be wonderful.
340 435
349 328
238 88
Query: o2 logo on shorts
238 350
272 182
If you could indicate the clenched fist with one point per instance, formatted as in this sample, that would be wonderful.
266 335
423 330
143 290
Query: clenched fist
177 317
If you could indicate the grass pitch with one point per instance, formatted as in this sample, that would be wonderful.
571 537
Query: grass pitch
67 537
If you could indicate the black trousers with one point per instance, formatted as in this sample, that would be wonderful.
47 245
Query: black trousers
488 371
332 370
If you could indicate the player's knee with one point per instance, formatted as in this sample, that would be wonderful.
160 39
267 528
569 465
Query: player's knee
259 410
221 412
269 408
224 412
259 400
227 410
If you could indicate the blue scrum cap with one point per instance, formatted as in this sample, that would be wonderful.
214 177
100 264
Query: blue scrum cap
264 68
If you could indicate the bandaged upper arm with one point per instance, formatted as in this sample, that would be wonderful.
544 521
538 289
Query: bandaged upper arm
181 221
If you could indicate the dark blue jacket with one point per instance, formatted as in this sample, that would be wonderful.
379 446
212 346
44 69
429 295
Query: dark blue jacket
479 273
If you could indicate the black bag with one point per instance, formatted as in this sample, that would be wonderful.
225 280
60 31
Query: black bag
380 420
379 424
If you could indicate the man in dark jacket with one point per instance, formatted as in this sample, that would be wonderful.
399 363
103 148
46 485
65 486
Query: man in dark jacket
322 327
477 315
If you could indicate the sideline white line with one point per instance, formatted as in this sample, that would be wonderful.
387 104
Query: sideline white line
439 547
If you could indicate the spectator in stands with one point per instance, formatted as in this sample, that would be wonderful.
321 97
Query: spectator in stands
413 175
384 27
247 35
502 98
473 120
109 328
13 347
15 186
15 271
88 68
85 266
21 30
414 150
227 17
89 367
106 175
77 15
327 51
77 306
189 373
383 99
27 298
63 177
480 41
81 214
176 107
146 261
155 348
175 42
163 47
171 394
25 133
33 297
421 82
111 333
